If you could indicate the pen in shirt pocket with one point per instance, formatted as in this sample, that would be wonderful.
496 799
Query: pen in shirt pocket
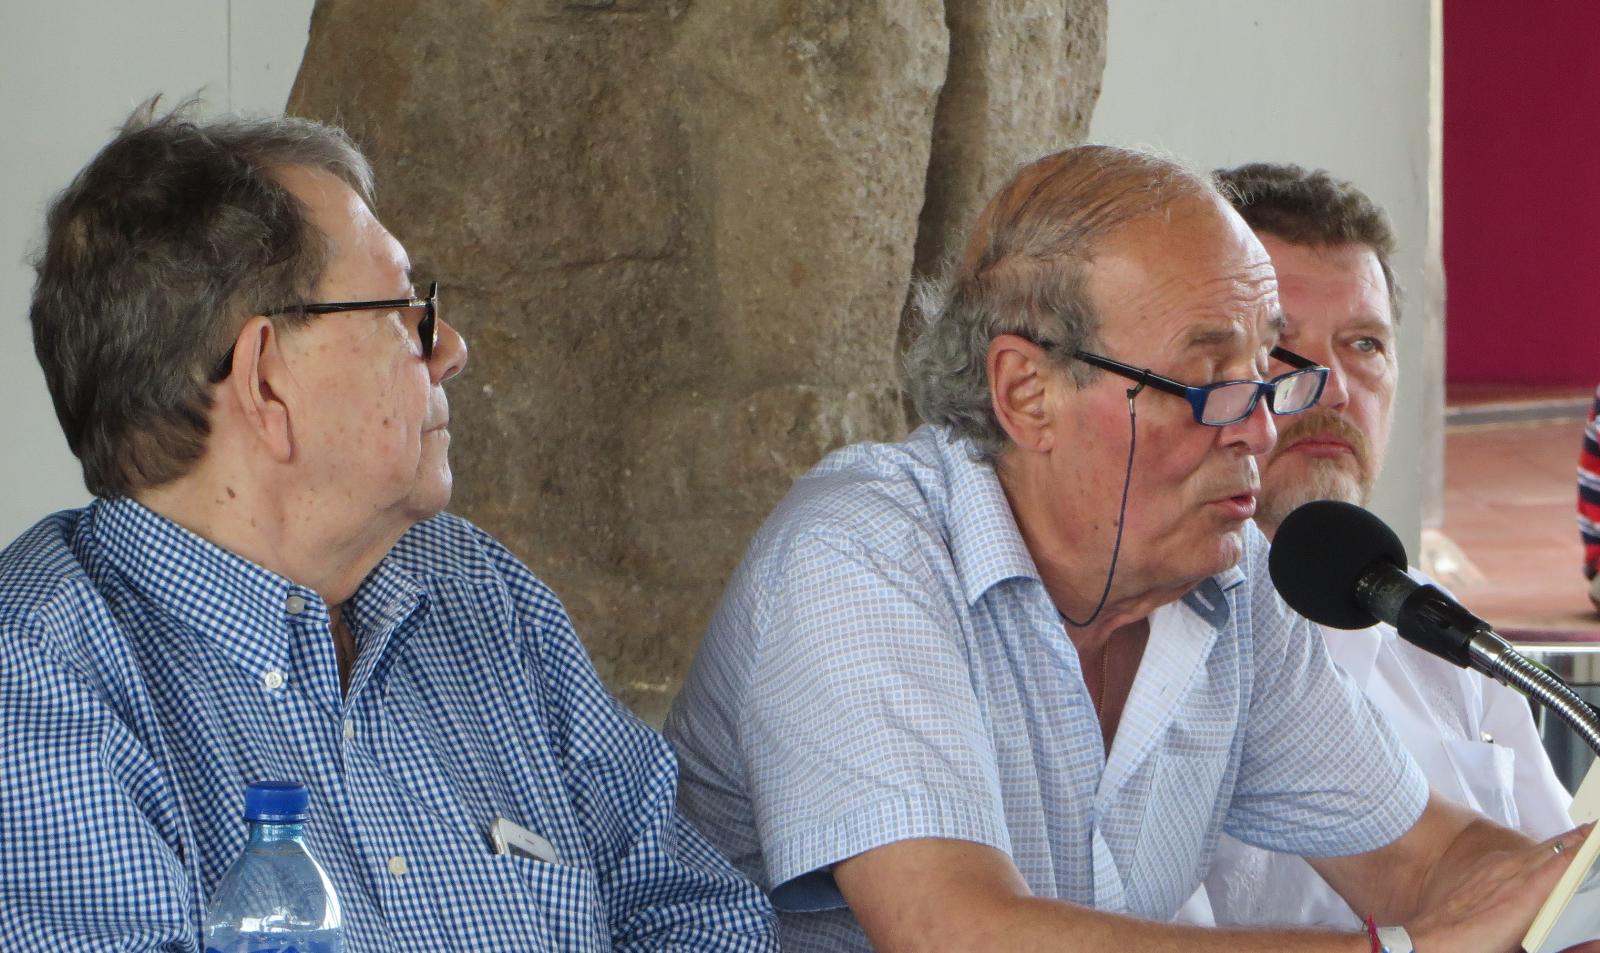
509 837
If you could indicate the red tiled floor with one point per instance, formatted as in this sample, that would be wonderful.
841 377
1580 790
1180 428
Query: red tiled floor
1509 501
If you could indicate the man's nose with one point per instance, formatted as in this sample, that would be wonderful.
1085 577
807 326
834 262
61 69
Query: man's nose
1254 434
449 354
1336 392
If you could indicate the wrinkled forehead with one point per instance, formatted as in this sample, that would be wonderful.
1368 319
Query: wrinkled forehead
1194 277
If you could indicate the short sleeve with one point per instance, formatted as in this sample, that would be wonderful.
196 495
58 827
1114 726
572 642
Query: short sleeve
862 725
1321 773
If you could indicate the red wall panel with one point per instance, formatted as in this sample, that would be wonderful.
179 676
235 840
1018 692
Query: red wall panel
1522 192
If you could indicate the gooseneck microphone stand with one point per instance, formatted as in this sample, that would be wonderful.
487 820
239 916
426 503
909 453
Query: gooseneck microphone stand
1341 566
1496 657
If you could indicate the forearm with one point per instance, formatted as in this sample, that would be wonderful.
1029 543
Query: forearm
1400 880
1036 925
934 896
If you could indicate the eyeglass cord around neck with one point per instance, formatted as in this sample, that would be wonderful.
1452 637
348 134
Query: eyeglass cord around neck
1122 516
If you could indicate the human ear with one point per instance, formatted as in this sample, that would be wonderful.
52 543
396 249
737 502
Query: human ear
1018 374
257 362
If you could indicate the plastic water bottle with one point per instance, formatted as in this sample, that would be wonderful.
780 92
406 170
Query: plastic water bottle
275 898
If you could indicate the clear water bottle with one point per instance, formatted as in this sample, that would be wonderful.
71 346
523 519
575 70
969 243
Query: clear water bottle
275 898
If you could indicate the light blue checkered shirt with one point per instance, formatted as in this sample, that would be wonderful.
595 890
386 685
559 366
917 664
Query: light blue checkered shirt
886 665
146 676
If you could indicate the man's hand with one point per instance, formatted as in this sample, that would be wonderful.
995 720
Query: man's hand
1458 881
1489 903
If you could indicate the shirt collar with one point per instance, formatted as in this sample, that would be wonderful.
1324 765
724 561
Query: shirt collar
376 612
242 607
987 546
985 543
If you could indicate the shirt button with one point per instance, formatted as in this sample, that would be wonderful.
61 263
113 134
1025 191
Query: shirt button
273 680
397 865
295 605
349 729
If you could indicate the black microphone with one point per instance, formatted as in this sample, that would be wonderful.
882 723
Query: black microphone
1340 566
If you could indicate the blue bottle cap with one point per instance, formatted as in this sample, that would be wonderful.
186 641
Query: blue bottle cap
276 802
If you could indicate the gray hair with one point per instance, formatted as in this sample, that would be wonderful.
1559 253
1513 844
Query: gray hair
1023 273
153 258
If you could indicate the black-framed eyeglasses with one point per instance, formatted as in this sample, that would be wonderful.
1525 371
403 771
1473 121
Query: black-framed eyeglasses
1228 402
427 327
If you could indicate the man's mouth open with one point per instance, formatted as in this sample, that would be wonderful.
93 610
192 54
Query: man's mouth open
1241 506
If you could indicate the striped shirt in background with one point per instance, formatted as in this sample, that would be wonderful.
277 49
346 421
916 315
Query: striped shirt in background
1589 491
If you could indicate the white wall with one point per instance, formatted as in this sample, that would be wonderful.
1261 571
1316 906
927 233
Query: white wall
71 71
1338 85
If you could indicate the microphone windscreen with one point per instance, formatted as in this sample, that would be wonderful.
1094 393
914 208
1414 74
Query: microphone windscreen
1319 554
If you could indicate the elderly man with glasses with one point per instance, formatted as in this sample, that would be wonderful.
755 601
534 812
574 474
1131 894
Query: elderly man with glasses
1002 685
266 588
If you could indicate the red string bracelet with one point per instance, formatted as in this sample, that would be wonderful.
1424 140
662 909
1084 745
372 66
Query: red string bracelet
1372 934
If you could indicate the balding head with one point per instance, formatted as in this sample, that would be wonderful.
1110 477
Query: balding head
1022 273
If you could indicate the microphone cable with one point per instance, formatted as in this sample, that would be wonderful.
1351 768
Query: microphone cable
1122 515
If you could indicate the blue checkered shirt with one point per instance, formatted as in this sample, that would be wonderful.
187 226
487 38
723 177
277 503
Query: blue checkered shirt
886 664
146 676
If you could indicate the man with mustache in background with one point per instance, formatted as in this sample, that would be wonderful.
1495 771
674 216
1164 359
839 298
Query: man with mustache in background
1474 738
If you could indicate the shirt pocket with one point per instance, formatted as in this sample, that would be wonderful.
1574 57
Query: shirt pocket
566 900
1488 773
1179 819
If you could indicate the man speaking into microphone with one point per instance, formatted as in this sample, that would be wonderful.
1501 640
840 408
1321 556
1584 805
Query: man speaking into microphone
1473 738
1000 686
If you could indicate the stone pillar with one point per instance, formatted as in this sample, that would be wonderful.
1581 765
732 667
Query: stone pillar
677 236
1022 83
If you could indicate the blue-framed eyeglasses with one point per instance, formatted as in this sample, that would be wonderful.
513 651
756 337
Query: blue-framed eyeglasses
1228 402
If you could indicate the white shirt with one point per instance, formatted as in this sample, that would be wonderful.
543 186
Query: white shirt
1475 740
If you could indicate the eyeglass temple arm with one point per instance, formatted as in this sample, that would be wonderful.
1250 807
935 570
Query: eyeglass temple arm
334 307
1292 359
1141 376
